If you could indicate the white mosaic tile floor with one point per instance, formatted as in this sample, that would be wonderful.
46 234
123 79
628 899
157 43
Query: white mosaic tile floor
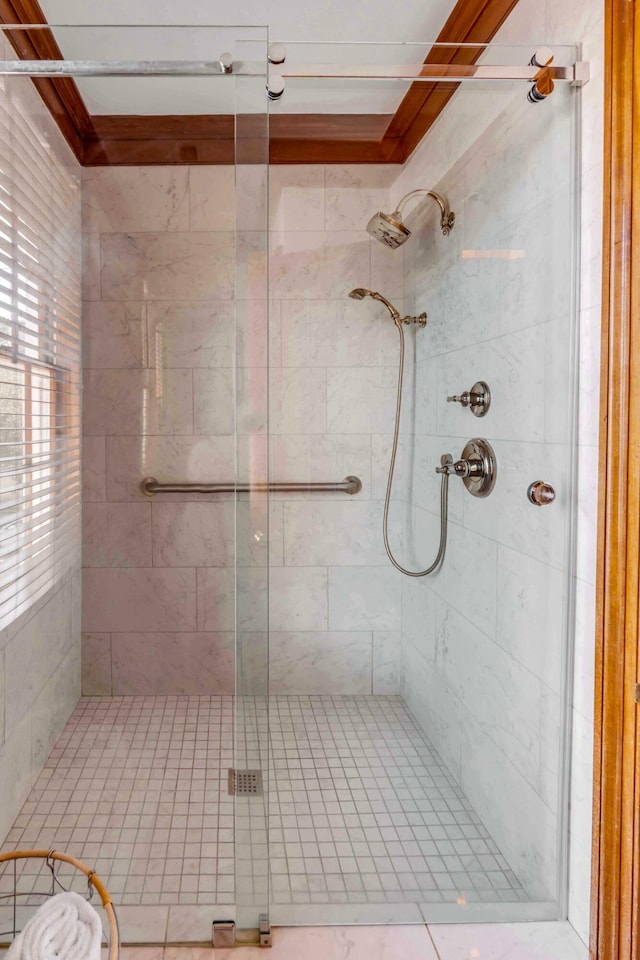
361 809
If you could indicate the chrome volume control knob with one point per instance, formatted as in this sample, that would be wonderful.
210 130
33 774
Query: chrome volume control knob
541 494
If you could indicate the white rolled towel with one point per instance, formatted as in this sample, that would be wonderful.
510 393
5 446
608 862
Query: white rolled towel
65 927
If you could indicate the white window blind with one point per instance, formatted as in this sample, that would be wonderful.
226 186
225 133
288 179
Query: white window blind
39 358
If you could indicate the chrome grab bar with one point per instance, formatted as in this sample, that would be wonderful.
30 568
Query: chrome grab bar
150 486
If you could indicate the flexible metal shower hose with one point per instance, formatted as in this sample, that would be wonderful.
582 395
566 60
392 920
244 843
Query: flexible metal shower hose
444 488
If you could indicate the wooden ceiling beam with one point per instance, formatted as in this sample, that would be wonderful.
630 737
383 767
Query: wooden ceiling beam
293 138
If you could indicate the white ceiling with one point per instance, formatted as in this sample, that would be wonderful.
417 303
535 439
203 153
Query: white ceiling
127 32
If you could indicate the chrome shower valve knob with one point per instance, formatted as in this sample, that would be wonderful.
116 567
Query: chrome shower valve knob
478 398
477 467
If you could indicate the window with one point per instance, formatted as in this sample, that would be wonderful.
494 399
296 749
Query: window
39 359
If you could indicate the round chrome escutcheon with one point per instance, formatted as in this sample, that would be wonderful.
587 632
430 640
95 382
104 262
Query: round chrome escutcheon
480 451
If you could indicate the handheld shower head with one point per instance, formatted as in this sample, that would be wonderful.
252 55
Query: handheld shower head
389 228
360 293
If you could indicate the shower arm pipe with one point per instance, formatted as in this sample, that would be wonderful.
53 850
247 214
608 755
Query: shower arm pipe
447 219
150 486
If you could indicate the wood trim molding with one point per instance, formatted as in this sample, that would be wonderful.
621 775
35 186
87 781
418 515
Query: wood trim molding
319 138
471 21
616 855
61 96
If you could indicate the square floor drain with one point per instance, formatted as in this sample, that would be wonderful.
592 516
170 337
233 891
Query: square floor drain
245 783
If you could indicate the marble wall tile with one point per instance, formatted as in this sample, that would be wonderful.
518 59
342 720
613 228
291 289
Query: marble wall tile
298 598
251 594
329 663
259 532
530 604
17 772
337 333
141 599
360 176
319 265
531 854
116 535
387 271
216 599
193 534
504 699
94 469
96 665
433 704
251 265
361 399
418 606
580 823
167 266
34 653
509 518
2 696
414 476
252 194
544 290
91 267
252 663
387 655
352 202
471 560
213 401
211 193
258 333
114 335
188 458
54 705
315 458
298 400
191 334
587 521
552 940
170 664
364 598
297 197
252 393
500 362
134 402
333 534
135 199
584 657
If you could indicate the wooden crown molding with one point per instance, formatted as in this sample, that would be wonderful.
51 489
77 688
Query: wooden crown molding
293 138
61 96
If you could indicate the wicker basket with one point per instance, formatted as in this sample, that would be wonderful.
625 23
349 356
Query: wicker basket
51 857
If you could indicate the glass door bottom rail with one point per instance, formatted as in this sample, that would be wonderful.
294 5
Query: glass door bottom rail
361 808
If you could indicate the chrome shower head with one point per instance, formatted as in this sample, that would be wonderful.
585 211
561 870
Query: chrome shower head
390 229
359 293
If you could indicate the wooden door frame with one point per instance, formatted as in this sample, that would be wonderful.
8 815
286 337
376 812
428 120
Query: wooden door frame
616 822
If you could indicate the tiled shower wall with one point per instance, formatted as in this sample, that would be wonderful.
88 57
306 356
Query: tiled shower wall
161 398
40 651
491 661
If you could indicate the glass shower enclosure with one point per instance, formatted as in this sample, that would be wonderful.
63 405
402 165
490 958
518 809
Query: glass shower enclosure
330 741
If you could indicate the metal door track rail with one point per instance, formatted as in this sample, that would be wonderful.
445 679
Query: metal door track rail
150 486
